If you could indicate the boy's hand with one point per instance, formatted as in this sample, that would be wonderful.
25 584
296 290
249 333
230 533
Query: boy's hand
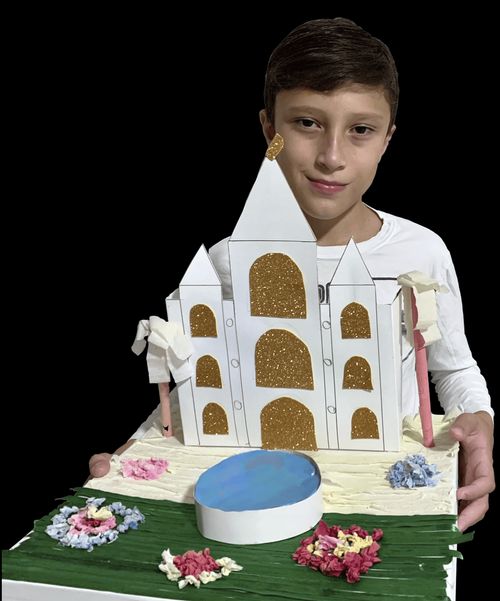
99 465
474 432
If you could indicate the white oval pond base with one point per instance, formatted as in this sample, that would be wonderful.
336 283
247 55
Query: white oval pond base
259 497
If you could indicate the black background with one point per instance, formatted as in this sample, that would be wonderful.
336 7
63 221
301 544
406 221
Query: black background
131 131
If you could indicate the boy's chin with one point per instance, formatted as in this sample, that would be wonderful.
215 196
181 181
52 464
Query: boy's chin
321 213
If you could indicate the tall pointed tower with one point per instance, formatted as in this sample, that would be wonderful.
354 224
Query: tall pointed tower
205 399
366 408
273 265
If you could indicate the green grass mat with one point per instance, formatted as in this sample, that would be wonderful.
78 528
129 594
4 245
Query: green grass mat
413 551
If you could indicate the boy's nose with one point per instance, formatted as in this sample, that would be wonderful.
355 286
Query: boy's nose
331 155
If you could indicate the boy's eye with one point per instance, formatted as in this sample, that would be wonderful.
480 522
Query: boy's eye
362 129
307 123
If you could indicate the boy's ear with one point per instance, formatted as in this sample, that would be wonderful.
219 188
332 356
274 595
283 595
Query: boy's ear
387 140
267 126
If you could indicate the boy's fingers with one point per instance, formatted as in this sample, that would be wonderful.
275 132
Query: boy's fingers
472 513
99 464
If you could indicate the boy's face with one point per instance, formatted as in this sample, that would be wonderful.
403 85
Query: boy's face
333 144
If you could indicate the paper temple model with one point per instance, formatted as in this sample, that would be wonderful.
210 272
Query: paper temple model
277 366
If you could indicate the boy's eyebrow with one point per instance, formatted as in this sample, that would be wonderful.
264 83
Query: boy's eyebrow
304 108
367 115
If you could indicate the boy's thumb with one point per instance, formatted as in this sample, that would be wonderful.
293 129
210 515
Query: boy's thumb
458 433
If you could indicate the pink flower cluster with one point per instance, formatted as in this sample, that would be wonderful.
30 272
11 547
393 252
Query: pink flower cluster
193 563
334 551
81 524
144 469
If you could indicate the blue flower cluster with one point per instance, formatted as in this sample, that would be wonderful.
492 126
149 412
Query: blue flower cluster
60 527
413 471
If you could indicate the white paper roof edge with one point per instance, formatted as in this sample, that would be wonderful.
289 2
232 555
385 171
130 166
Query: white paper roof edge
351 268
269 201
174 295
201 271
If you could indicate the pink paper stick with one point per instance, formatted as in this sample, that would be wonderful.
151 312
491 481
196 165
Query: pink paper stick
422 379
424 397
166 418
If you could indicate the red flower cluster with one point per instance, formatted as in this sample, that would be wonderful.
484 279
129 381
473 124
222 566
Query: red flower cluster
333 551
193 563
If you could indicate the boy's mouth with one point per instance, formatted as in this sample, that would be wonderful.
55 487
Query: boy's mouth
326 182
326 186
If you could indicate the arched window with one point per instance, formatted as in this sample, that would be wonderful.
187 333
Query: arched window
214 419
364 424
355 322
282 361
208 372
277 287
287 424
357 374
202 320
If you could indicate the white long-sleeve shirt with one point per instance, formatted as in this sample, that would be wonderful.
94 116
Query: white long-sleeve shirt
399 247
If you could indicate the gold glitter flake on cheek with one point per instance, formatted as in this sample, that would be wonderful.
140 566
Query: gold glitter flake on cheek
275 147
282 361
203 323
208 372
277 287
287 424
357 374
364 424
355 322
214 420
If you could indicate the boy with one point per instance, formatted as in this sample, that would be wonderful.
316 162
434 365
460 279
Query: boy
331 92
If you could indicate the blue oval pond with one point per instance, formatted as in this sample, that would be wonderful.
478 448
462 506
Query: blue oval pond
258 480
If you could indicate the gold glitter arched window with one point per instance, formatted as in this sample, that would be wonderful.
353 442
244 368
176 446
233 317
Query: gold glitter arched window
287 424
208 372
277 287
214 419
357 374
364 424
282 361
355 322
202 320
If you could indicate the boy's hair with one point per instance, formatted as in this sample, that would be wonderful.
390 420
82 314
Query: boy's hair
325 54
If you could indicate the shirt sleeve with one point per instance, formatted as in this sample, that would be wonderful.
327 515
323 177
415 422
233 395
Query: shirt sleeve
456 375
219 254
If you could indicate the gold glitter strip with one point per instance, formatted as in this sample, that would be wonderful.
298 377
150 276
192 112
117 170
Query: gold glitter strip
214 420
282 361
277 287
287 424
208 372
202 321
355 322
275 147
364 424
357 374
